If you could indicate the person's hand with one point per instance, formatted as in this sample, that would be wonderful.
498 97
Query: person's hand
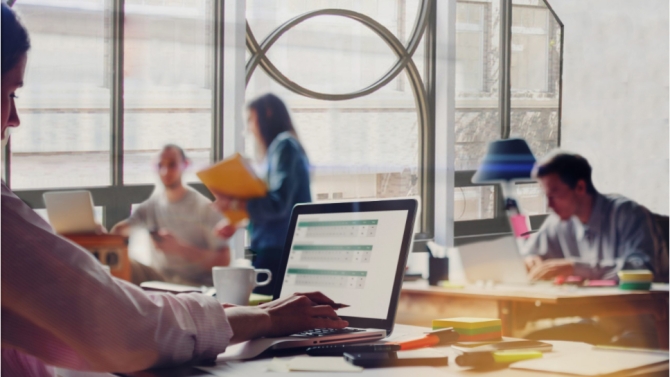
167 242
224 229
224 202
531 261
551 268
100 229
285 316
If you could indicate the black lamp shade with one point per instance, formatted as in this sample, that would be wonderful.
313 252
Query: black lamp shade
505 160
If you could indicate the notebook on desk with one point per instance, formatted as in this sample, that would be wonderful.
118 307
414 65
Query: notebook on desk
355 253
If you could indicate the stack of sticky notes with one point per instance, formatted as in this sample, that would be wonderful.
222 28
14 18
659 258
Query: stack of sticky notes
472 329
635 279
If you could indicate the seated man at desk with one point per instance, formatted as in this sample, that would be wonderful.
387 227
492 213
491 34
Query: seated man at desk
594 236
590 234
181 222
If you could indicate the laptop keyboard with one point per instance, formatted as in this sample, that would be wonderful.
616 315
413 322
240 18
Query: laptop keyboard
323 332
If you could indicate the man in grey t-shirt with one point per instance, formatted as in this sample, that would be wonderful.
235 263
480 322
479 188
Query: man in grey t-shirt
590 234
181 222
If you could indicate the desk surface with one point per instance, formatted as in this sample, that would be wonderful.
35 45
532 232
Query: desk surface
259 366
542 293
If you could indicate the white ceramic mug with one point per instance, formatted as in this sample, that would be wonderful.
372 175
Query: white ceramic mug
234 284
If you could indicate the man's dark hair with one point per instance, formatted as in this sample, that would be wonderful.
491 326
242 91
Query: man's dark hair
15 41
178 149
570 168
273 117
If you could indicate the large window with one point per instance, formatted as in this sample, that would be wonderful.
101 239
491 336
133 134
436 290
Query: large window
167 74
360 145
109 82
532 35
64 138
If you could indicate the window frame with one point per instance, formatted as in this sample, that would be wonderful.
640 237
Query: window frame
118 197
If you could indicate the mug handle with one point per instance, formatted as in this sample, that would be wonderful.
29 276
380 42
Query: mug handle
266 281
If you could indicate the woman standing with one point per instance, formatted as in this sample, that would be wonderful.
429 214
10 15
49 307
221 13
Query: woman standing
287 179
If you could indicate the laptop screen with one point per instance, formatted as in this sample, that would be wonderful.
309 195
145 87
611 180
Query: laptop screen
352 257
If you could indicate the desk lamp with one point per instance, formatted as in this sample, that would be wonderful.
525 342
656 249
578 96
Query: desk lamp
506 161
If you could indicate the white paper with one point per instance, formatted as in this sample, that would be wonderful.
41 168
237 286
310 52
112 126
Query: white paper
593 363
322 364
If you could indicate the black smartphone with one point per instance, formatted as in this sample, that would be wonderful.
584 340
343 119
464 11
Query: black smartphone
341 349
393 359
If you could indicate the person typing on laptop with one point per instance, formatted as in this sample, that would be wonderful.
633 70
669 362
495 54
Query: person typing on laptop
589 234
60 308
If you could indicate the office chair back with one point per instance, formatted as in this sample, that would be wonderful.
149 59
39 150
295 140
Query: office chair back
662 223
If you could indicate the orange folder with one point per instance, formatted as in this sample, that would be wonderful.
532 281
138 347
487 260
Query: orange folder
233 177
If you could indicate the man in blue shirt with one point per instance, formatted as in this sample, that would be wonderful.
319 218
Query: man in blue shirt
590 234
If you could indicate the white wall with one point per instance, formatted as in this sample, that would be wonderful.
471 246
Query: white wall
615 94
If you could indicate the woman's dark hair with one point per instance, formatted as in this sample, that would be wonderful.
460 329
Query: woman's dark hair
15 41
273 117
571 168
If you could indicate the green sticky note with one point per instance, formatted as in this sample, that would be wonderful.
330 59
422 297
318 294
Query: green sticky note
506 357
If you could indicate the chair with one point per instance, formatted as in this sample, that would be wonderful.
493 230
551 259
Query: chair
662 223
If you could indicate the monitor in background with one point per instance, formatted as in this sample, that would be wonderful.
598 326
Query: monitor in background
70 212
497 260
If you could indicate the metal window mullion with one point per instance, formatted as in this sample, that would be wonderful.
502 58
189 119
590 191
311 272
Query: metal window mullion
427 150
116 109
218 15
505 65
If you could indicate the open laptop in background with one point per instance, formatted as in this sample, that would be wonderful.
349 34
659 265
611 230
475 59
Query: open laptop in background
355 253
498 260
70 212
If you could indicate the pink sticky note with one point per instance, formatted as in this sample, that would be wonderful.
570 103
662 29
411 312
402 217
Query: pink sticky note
519 226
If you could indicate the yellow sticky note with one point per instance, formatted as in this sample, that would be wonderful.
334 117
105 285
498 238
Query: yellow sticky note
507 357
466 322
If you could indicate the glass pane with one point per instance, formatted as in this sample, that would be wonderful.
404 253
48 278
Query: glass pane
535 75
64 137
398 16
168 90
477 65
362 148
354 58
474 203
531 199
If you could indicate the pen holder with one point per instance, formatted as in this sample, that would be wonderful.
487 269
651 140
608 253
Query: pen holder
438 269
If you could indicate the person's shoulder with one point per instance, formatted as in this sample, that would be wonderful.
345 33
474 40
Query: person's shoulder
194 196
554 223
285 142
622 206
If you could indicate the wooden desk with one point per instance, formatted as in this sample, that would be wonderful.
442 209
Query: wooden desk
257 367
515 306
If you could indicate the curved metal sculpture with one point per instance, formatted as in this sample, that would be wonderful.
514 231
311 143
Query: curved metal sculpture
404 55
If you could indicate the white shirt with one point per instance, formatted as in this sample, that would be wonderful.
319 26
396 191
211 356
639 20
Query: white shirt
60 307
191 220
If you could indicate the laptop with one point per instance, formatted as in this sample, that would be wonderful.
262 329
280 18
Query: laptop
70 212
353 252
497 260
